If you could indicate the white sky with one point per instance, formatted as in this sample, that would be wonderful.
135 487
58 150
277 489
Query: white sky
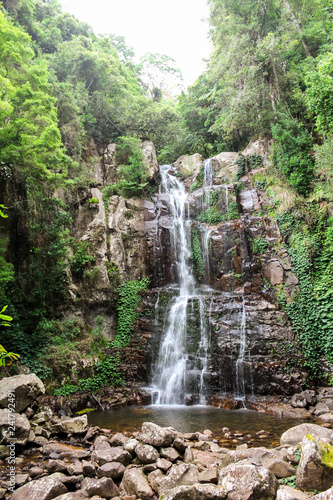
177 28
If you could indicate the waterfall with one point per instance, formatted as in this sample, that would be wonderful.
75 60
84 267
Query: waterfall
180 367
226 199
206 232
240 380
208 167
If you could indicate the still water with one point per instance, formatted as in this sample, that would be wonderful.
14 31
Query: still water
198 418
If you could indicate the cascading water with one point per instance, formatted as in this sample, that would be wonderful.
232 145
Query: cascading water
240 379
178 371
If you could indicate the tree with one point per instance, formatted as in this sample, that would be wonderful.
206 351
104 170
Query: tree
159 75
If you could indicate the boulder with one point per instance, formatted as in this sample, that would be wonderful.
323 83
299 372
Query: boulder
169 454
155 435
208 475
146 454
279 468
119 439
179 475
53 448
315 469
115 470
150 158
45 488
8 421
78 495
299 401
287 493
104 487
104 453
189 165
196 492
76 425
154 478
245 481
295 435
135 483
26 388
324 495
163 464
130 445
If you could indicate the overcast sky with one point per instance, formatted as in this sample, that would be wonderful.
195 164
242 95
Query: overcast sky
177 28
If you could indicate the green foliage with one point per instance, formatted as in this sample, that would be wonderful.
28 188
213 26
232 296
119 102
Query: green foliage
93 200
211 216
260 245
197 258
4 318
290 481
66 390
241 162
198 180
254 161
81 258
128 302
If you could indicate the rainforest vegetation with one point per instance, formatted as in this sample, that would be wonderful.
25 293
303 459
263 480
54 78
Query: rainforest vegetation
64 88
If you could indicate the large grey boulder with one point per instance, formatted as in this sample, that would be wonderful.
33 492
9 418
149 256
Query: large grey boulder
135 483
295 435
45 488
103 487
115 470
68 425
189 165
10 420
315 471
245 481
78 495
179 475
26 388
155 435
196 492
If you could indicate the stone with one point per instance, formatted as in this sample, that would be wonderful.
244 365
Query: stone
179 444
45 488
310 397
169 454
56 466
78 495
118 439
37 471
327 418
179 475
208 475
299 401
147 454
196 492
115 470
21 479
321 409
279 468
154 477
315 469
88 468
324 495
189 165
245 481
188 455
26 388
150 158
130 445
135 483
163 464
76 425
155 435
75 468
287 493
104 487
295 435
21 424
104 453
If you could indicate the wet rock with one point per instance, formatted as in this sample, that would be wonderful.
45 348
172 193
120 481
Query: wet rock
196 492
314 471
147 454
287 493
104 487
135 483
76 425
130 445
22 428
45 488
26 388
327 418
78 495
61 450
155 435
21 479
179 475
37 471
246 481
75 469
295 435
114 470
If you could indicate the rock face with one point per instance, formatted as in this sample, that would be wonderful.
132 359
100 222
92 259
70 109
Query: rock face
295 435
315 469
25 387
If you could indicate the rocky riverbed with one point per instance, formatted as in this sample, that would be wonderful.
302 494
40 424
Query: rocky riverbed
64 458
